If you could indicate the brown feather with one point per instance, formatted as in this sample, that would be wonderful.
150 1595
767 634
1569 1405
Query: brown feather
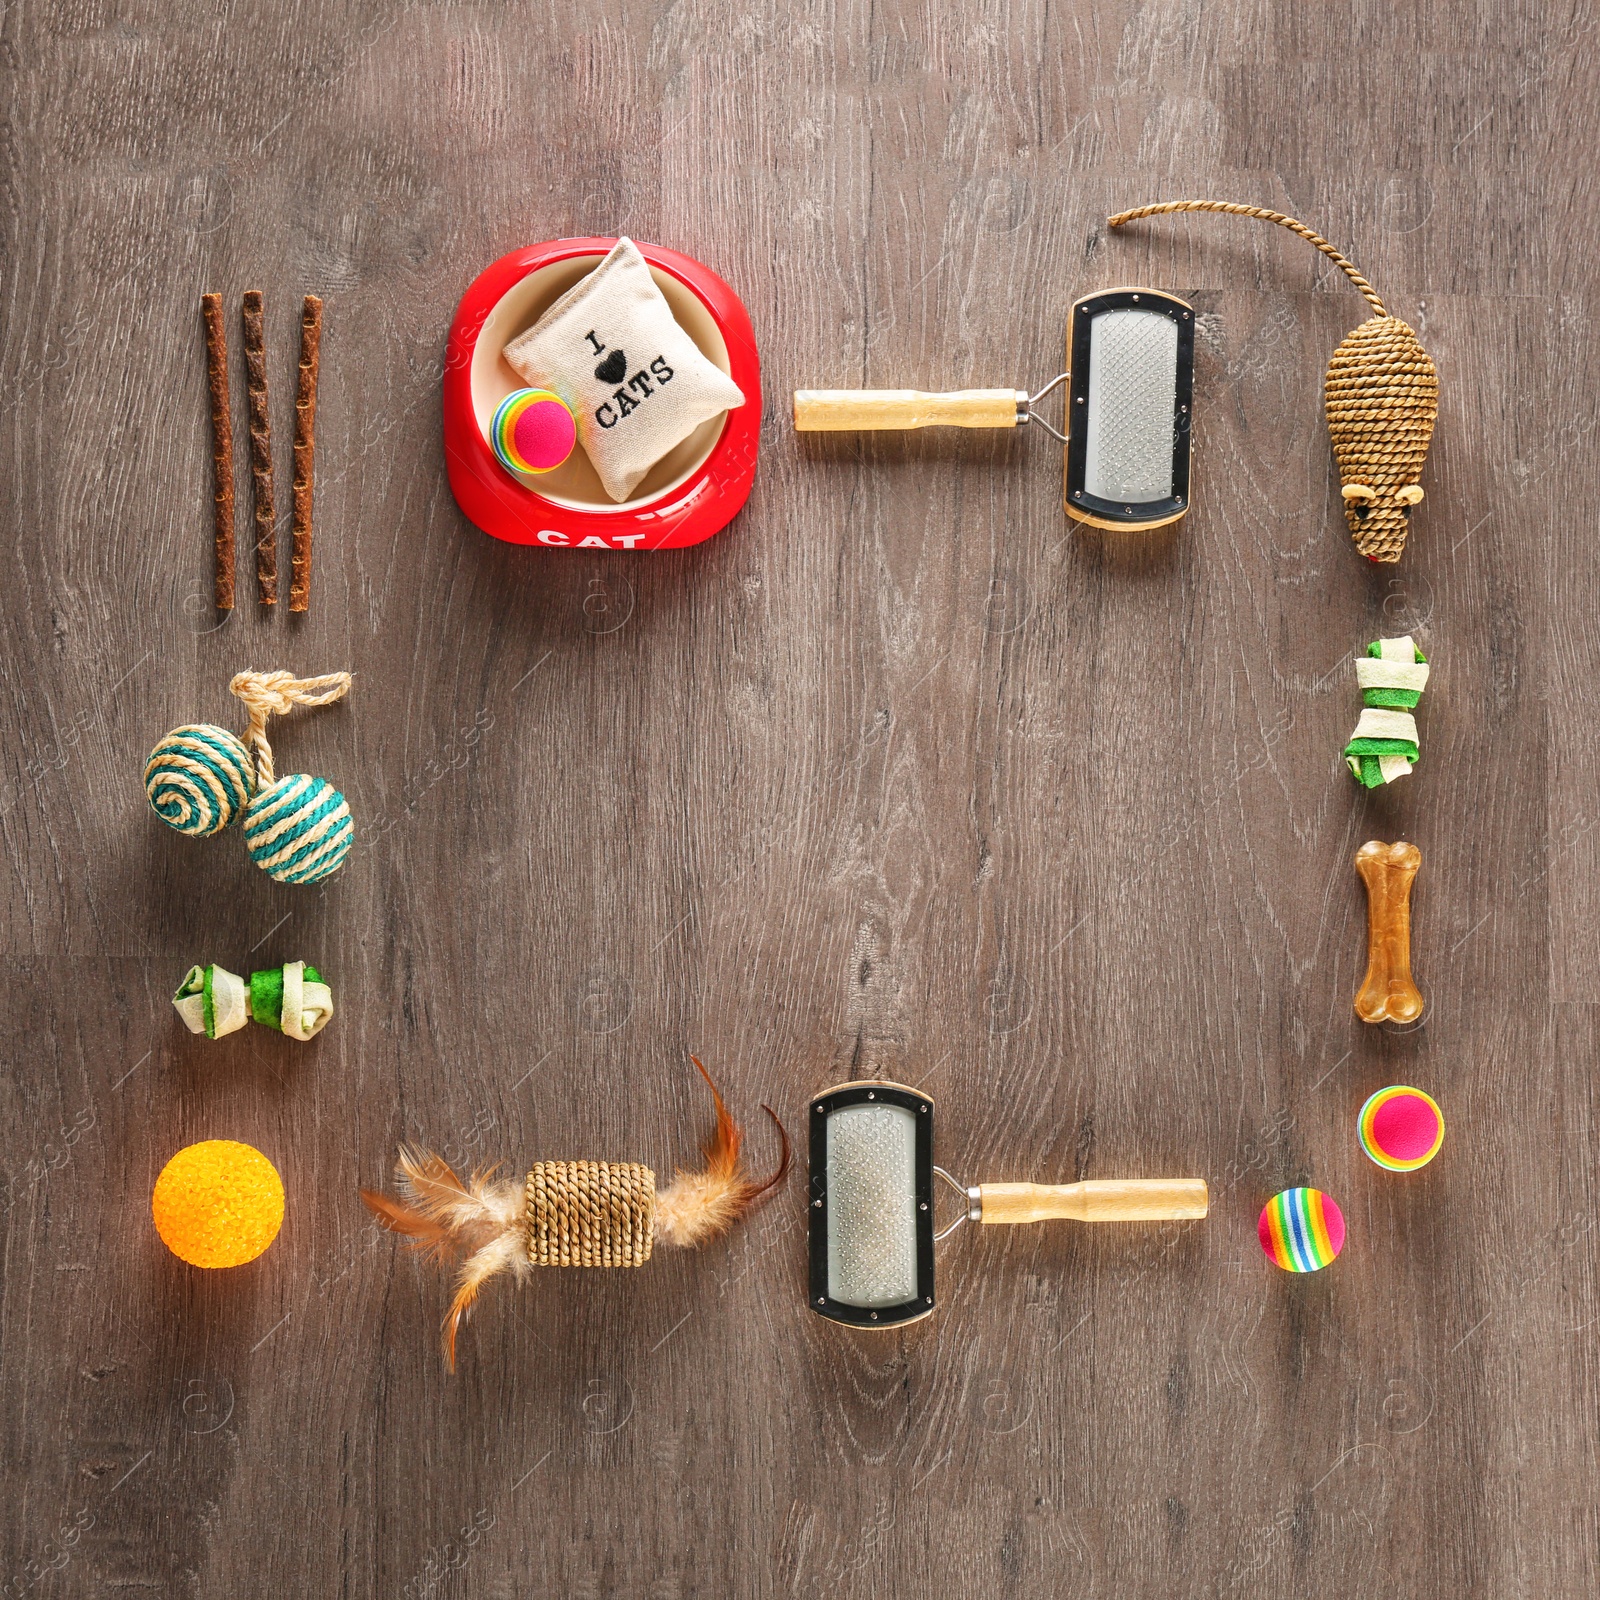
420 1232
507 1252
441 1217
438 1193
698 1206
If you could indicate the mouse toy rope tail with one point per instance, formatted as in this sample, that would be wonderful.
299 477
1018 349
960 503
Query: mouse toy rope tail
567 1213
1381 397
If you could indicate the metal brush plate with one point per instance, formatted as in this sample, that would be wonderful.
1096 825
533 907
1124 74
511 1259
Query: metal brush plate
871 1204
1129 408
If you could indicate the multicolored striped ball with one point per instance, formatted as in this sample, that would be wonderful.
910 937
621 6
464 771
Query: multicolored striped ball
298 830
1401 1129
532 431
1301 1230
199 778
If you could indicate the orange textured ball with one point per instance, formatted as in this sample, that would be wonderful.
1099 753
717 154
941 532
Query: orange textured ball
218 1203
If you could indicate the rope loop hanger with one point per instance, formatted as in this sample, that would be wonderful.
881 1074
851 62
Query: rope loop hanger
271 694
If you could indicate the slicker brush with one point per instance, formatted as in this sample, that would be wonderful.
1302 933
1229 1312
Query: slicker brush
567 1213
1381 395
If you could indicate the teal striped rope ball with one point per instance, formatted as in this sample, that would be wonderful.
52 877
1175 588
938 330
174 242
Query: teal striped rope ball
199 778
298 830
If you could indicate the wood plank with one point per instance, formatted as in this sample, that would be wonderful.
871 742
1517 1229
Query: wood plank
899 774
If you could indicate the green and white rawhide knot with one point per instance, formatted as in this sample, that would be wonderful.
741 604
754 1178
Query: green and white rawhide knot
1392 674
291 998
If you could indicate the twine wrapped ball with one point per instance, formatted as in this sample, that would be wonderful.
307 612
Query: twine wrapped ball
1301 1230
199 778
298 830
218 1203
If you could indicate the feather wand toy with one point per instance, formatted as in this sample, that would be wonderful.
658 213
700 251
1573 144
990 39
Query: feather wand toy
567 1213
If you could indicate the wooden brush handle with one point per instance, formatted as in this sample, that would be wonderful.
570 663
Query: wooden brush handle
1388 993
1096 1200
842 410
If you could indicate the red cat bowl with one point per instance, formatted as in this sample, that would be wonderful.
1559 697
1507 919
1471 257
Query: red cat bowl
694 492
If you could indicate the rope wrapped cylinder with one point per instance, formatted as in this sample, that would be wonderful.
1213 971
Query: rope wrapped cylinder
590 1214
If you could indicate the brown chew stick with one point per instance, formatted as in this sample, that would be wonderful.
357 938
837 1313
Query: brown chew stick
305 447
221 447
1388 992
255 371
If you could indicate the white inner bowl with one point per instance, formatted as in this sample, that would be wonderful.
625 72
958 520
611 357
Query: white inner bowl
575 483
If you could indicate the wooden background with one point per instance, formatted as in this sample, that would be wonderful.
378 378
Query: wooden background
900 774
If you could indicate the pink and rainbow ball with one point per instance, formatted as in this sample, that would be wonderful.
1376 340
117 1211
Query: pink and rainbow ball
532 431
1301 1230
1401 1129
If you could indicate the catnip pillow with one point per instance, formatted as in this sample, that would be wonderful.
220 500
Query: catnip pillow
635 381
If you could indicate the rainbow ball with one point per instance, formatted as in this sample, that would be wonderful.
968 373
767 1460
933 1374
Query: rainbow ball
218 1203
198 779
1401 1129
298 830
532 431
1301 1230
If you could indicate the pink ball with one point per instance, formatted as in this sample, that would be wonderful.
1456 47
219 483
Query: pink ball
532 431
1401 1128
544 435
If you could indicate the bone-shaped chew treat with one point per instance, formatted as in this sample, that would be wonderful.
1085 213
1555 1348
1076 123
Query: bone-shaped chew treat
1388 993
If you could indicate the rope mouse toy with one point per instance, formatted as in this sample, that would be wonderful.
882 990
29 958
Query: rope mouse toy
1381 396
567 1213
